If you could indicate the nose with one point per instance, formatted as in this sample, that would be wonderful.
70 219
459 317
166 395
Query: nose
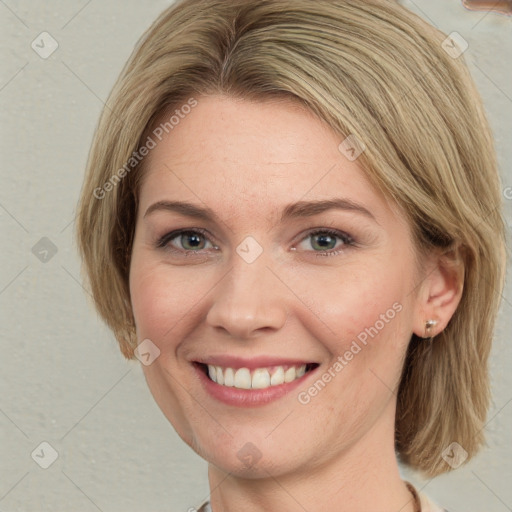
248 300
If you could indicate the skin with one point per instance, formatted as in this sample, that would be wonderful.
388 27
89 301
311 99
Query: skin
246 161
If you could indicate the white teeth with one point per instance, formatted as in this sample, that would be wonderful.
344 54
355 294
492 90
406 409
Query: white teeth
243 378
260 378
290 374
229 377
277 377
220 375
301 370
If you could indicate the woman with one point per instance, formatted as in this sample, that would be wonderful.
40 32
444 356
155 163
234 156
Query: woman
330 165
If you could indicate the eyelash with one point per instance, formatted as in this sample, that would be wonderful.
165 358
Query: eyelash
348 241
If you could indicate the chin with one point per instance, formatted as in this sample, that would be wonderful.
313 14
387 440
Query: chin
248 456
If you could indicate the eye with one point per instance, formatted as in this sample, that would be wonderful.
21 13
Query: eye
191 240
326 240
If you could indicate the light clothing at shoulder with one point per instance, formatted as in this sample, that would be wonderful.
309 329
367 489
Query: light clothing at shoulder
205 507
426 505
429 506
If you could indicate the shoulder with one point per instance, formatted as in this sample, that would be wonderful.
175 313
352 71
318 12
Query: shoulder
205 507
429 506
426 505
424 502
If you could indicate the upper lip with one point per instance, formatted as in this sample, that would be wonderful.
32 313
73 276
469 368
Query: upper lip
226 361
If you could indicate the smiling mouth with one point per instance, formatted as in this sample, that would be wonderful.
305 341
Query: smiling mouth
258 378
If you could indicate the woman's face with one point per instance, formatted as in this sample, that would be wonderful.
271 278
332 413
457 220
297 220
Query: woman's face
268 278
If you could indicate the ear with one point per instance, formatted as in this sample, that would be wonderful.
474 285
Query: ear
440 291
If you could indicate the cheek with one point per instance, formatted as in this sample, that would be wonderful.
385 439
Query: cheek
148 297
364 303
163 299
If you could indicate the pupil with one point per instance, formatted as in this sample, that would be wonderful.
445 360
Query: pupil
325 239
195 240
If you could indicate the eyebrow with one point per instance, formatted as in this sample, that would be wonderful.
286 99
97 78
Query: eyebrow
292 211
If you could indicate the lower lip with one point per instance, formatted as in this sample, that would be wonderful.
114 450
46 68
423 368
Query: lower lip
248 397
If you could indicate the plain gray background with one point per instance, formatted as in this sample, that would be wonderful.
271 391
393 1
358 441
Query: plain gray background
63 380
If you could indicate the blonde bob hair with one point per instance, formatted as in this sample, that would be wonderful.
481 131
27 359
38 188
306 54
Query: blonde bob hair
371 69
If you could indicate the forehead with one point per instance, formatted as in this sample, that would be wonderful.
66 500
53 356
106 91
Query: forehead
227 151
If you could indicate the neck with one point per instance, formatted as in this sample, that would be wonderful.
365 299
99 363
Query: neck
365 477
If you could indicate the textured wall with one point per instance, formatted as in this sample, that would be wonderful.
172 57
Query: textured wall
63 380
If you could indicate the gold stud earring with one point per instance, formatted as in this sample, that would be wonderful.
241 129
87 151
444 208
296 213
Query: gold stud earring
429 324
